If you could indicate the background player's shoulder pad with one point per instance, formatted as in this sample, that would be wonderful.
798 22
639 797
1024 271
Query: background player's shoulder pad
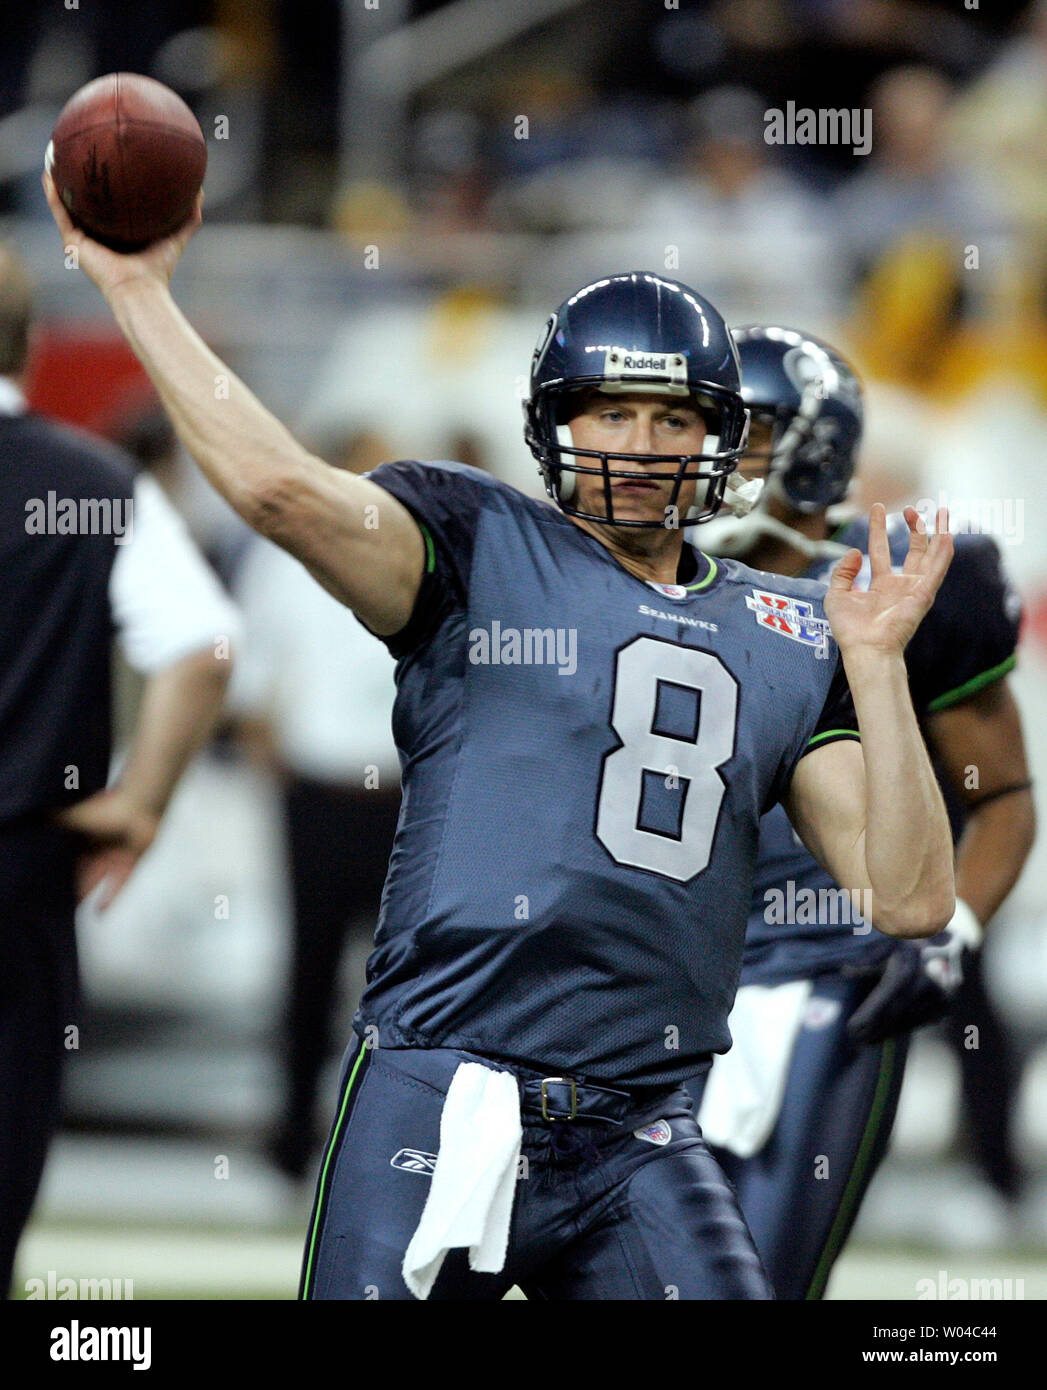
976 587
969 637
977 560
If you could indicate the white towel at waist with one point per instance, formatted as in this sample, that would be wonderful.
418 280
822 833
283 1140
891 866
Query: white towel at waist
744 1090
470 1202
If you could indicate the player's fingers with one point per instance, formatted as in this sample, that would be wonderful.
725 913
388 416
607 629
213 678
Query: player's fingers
939 553
918 540
178 239
933 557
846 571
194 219
879 549
58 209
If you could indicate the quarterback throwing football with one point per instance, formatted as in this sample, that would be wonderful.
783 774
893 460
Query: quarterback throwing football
591 716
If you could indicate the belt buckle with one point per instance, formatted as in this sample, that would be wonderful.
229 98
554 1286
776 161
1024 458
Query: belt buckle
559 1081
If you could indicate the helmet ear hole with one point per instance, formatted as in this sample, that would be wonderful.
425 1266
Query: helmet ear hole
568 478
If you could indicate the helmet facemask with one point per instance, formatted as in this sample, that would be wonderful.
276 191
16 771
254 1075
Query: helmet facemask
561 461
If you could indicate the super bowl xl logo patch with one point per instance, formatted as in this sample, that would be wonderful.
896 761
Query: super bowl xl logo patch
790 617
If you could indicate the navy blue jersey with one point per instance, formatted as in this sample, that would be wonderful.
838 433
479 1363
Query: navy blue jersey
966 641
585 761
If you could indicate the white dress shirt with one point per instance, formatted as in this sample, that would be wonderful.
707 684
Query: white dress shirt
308 665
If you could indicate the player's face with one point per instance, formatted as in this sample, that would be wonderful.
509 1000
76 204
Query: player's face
756 461
636 424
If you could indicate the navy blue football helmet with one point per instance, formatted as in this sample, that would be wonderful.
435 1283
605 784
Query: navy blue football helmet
812 399
636 332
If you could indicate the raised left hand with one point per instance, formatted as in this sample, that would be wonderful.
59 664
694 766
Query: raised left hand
885 615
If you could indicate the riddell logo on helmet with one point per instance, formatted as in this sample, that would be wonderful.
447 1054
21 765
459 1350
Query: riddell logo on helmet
622 362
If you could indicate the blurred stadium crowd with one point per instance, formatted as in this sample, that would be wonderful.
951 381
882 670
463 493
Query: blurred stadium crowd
395 199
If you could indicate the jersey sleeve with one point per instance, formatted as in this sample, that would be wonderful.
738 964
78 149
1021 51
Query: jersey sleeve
836 720
445 501
970 636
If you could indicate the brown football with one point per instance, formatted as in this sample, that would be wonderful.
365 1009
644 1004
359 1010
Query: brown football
128 159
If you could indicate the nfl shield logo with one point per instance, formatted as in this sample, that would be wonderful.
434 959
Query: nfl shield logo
820 1012
656 1133
673 591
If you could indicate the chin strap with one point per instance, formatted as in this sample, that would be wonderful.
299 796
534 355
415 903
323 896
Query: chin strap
735 537
742 495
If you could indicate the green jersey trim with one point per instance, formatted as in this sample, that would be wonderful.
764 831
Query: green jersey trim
714 570
971 687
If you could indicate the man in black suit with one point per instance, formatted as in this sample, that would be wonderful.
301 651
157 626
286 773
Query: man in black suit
86 550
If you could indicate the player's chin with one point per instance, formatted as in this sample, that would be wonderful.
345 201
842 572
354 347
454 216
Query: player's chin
632 505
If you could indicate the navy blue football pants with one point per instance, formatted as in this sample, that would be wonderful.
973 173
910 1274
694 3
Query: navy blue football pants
801 1192
599 1213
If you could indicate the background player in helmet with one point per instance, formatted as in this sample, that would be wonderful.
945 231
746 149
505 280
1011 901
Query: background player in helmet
801 1109
532 991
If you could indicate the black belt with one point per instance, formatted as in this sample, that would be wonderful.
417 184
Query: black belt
562 1098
